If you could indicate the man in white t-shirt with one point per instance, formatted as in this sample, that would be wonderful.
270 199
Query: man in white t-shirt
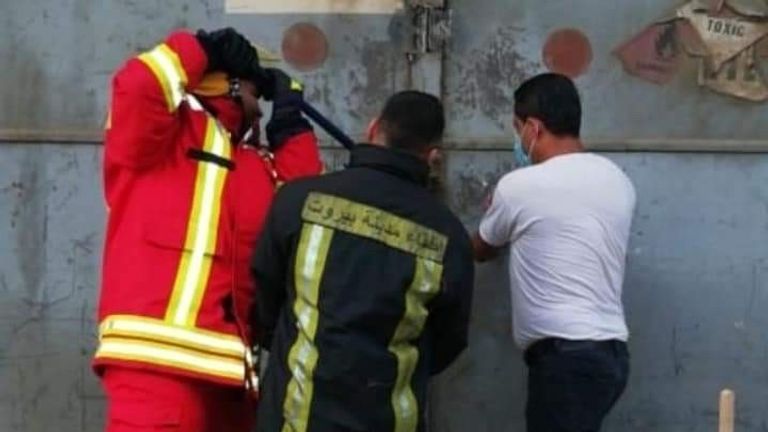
566 214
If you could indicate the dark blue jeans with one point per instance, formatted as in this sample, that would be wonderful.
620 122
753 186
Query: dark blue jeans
572 385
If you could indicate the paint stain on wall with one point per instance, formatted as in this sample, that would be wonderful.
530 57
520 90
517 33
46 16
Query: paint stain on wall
305 46
568 52
371 83
489 75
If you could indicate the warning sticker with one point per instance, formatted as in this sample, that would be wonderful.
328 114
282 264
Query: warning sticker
737 77
654 54
728 37
313 6
725 37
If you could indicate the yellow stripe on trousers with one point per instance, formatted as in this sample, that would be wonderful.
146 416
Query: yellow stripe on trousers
310 263
425 285
202 233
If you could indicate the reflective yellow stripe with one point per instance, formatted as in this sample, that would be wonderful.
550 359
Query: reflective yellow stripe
376 224
202 232
425 285
161 331
166 66
175 63
310 263
175 357
162 79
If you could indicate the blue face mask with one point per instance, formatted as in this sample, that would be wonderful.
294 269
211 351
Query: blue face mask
521 158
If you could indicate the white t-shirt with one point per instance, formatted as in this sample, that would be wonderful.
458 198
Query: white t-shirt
568 222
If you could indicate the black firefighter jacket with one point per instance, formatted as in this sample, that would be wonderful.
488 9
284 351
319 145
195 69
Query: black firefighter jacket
365 283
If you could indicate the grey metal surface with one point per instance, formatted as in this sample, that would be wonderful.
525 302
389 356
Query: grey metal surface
696 285
364 66
51 224
61 54
497 43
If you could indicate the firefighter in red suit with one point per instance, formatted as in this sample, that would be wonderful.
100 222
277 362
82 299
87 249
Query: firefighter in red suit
186 202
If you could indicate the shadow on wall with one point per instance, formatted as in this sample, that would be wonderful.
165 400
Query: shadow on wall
26 90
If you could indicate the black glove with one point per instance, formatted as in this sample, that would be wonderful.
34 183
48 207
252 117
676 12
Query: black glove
230 52
286 95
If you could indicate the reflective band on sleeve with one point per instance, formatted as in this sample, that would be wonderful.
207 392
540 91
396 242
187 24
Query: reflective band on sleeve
170 356
130 326
425 285
202 232
310 263
166 66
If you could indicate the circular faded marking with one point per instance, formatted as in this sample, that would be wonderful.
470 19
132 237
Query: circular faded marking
305 46
568 52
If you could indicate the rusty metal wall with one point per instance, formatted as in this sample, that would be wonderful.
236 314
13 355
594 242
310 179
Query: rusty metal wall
696 284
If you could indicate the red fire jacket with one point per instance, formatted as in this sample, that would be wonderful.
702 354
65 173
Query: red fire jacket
185 209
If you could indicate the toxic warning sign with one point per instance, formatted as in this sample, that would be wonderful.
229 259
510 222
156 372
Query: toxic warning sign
728 38
725 37
738 77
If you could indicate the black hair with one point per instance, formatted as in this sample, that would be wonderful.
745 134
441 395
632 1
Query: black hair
552 99
412 121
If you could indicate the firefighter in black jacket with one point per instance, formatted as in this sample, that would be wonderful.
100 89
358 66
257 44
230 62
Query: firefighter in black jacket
365 285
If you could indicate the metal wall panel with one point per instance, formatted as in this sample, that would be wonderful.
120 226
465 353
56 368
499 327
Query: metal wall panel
497 43
51 226
696 283
365 62
58 56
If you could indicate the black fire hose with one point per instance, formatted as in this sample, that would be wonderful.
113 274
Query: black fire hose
326 125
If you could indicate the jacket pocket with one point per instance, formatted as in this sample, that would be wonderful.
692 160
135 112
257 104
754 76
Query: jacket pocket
176 234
